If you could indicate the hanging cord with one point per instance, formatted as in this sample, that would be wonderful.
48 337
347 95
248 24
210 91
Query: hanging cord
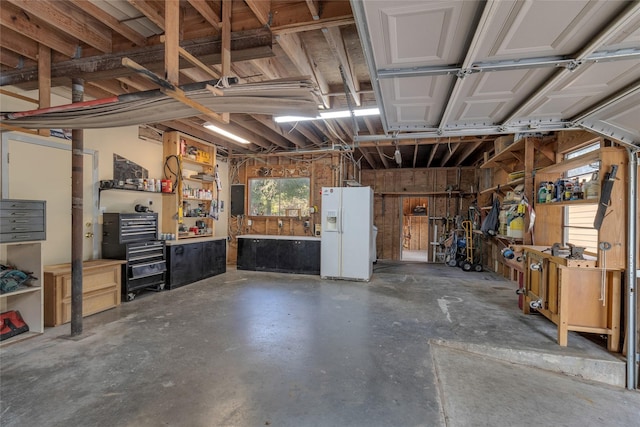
177 172
604 247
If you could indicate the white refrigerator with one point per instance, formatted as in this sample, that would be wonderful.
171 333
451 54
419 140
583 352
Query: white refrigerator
347 233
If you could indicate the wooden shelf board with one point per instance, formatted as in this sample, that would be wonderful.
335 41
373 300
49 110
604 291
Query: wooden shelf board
195 199
185 236
511 184
513 239
504 154
20 337
201 181
565 165
21 291
420 193
194 162
569 203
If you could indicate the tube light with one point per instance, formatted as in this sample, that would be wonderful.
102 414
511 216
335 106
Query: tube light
223 132
330 114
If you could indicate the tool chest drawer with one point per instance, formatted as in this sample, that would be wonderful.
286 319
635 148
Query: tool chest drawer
22 220
119 228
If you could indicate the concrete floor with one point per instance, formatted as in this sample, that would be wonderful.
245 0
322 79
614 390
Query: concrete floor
417 346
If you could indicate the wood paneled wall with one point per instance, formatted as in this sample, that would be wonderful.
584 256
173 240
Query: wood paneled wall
392 186
324 170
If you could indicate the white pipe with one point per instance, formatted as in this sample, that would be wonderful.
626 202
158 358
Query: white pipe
632 303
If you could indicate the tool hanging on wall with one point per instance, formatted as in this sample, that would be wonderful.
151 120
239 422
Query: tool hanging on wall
604 247
605 196
214 208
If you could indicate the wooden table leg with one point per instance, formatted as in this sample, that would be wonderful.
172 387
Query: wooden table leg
614 288
563 312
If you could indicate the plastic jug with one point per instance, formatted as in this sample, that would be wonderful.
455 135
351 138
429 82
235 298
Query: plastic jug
592 188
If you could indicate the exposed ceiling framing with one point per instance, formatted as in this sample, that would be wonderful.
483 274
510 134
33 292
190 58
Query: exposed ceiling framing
448 76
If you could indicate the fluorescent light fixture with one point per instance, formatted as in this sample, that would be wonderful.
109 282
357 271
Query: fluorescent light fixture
330 114
223 132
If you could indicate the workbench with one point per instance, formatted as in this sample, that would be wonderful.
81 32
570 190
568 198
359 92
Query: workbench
574 294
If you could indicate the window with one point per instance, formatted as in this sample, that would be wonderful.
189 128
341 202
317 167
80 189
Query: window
578 220
279 196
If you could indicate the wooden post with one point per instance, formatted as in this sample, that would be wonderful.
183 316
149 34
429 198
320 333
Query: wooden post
44 81
529 155
172 41
77 147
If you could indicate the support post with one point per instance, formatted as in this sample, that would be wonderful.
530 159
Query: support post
77 147
632 292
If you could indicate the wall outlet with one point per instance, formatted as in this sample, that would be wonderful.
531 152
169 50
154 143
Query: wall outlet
249 222
279 223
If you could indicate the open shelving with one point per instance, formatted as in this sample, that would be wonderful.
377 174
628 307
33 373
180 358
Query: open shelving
176 205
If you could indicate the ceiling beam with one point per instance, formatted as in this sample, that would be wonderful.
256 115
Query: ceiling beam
19 44
245 45
151 11
336 44
309 134
172 42
450 152
124 30
30 26
11 59
382 157
367 157
207 12
261 9
291 136
434 148
69 20
415 154
295 50
262 131
469 148
300 27
314 8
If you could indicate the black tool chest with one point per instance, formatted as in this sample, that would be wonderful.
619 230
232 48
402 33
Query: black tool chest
133 237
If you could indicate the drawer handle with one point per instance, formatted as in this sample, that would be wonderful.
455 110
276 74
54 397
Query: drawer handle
19 228
22 237
19 213
19 221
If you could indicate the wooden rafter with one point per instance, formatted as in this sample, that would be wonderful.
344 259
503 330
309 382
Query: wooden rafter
291 136
368 158
44 81
69 20
313 25
470 147
36 29
336 44
451 149
207 12
19 44
153 13
172 42
295 50
246 45
11 59
314 8
415 154
434 148
263 132
382 157
262 10
111 22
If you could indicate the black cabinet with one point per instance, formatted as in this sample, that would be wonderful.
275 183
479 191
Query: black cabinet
193 261
299 256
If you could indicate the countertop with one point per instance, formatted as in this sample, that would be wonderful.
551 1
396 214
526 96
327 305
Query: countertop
277 237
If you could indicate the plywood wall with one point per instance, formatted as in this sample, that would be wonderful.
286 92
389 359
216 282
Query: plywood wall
397 190
324 170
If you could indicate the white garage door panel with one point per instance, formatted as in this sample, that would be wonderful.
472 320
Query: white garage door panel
412 33
545 28
500 91
586 87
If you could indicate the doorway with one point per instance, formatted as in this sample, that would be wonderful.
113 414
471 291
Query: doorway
23 179
415 229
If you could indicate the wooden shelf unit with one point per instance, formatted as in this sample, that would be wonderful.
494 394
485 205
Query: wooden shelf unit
613 225
177 144
29 301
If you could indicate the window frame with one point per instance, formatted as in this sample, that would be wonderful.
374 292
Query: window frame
303 210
